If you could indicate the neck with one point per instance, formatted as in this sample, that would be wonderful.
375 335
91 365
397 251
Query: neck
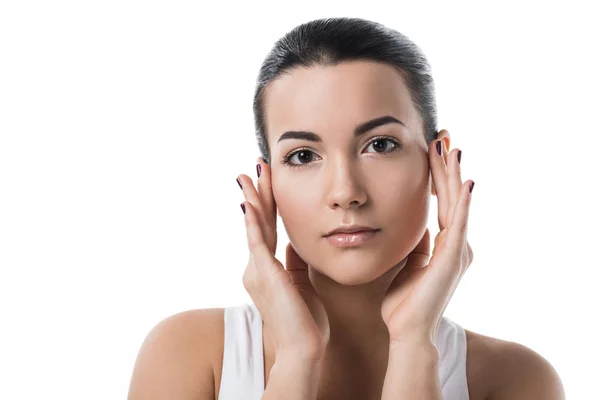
354 312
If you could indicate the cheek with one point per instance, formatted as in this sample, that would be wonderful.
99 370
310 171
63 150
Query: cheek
295 203
292 190
405 213
402 198
401 191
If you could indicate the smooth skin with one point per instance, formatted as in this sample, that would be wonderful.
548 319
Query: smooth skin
284 296
417 297
347 180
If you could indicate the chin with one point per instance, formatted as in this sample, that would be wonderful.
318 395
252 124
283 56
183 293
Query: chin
353 268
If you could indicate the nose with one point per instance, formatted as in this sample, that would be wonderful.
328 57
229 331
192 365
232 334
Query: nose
345 188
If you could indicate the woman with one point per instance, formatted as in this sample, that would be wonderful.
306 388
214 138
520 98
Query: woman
346 124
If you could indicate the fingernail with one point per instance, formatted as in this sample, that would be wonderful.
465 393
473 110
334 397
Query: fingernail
471 188
243 208
238 181
458 155
258 170
438 146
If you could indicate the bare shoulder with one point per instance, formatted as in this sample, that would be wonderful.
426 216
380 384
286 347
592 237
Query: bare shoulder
498 369
176 359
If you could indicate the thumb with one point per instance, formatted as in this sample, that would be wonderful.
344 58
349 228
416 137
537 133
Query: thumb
295 266
419 257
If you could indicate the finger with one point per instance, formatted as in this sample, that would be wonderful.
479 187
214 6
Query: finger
251 195
458 229
256 243
440 180
467 255
419 257
454 182
265 192
295 266
400 288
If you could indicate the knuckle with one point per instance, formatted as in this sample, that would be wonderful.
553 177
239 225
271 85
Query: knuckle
246 282
249 278
253 239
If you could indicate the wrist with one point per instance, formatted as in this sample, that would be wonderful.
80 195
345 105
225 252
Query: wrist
299 357
309 351
293 379
421 343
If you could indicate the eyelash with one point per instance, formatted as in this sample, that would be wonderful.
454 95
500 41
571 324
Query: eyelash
286 159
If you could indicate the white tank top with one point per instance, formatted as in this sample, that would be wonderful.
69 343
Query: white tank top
242 375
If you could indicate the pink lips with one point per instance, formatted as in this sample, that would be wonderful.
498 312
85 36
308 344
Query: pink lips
351 239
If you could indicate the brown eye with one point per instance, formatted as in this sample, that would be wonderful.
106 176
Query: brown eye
305 156
384 145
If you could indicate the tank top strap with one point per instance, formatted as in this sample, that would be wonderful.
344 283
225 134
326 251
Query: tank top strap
242 375
451 344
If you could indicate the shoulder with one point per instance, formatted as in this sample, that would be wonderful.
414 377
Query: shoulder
176 359
502 370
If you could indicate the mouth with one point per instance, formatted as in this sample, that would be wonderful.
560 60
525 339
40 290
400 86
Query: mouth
351 239
355 228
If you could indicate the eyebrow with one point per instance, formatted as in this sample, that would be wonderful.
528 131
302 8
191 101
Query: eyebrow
358 130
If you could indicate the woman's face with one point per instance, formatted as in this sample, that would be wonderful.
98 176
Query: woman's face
344 178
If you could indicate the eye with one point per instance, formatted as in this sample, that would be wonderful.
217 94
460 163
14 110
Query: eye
383 145
304 155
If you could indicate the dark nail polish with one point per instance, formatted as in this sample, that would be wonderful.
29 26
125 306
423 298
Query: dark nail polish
438 146
258 170
471 188
458 155
238 181
243 207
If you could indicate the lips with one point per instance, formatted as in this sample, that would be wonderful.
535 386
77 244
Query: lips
355 239
349 232
351 229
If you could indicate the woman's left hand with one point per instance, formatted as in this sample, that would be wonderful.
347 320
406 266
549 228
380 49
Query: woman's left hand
417 297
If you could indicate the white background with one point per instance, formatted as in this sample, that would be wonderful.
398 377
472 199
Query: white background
123 125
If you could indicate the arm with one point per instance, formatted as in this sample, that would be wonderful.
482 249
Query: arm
174 361
292 378
412 371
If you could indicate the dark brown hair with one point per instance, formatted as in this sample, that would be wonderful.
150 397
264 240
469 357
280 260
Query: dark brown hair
330 41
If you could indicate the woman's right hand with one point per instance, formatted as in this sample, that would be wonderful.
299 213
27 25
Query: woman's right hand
288 303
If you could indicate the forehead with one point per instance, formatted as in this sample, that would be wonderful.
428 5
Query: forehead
322 98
